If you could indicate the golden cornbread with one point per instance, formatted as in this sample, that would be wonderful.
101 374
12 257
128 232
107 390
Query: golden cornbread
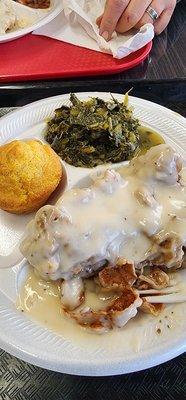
29 172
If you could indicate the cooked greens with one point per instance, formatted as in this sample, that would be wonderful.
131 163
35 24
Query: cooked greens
93 132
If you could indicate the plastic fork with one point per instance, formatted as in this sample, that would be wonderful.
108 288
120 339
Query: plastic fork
173 294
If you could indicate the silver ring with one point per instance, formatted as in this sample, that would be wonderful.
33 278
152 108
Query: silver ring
152 13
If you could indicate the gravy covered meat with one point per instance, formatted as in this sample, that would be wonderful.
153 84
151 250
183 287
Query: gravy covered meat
137 214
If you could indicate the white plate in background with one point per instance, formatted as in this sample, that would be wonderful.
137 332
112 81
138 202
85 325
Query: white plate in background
40 17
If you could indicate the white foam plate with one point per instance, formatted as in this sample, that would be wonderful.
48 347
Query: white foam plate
36 19
135 347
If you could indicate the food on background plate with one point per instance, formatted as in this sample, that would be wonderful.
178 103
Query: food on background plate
94 132
14 17
125 232
30 171
35 3
7 16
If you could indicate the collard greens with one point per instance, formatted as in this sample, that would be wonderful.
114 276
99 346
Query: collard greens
93 132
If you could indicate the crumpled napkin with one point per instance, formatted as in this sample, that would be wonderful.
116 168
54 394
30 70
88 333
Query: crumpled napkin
76 24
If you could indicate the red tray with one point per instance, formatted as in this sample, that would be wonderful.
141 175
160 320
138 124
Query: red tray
37 57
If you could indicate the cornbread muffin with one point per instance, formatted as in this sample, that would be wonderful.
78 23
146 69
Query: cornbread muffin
29 172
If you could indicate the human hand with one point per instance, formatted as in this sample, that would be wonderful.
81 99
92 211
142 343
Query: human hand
122 15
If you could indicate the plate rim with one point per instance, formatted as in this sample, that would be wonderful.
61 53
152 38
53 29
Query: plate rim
166 110
99 368
84 368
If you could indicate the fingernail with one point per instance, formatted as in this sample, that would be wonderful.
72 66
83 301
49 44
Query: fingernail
105 35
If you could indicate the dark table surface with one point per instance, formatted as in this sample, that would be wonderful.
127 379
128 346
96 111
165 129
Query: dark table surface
22 381
161 78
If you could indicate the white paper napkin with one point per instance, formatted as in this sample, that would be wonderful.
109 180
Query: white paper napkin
76 24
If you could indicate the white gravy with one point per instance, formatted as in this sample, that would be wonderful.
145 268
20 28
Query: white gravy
117 216
40 299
